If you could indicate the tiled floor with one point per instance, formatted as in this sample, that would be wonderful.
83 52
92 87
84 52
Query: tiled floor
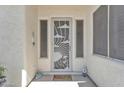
79 80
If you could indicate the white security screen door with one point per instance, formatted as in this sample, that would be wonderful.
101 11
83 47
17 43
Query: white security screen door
62 44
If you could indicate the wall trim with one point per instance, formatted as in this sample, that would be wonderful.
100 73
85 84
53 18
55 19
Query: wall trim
92 81
60 72
30 81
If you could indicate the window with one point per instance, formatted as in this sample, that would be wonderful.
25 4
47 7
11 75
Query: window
100 26
43 38
116 29
79 38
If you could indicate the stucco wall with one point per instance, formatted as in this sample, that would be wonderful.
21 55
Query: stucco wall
75 12
11 42
30 64
104 71
16 50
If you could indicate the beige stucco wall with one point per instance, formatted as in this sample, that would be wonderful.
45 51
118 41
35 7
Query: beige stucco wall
104 71
30 63
75 12
17 53
11 42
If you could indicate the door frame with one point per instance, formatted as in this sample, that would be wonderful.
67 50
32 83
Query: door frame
52 43
45 64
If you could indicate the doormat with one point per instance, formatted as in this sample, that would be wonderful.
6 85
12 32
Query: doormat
62 78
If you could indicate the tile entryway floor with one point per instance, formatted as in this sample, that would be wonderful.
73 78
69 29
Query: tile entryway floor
77 81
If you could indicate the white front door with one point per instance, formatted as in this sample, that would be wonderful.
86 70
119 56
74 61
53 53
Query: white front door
62 29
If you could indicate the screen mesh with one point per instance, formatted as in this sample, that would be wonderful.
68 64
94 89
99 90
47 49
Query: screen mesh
117 31
79 38
43 38
100 26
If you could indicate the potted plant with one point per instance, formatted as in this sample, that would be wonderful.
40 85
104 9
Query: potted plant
2 74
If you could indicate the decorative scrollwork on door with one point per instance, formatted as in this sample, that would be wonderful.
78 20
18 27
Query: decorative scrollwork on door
61 44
